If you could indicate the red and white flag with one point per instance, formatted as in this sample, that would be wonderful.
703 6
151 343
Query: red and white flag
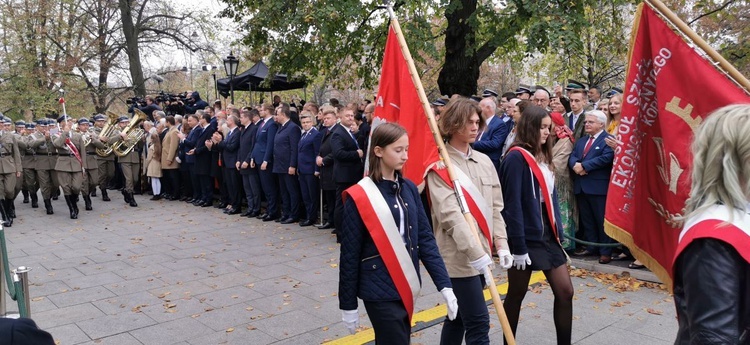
397 101
665 101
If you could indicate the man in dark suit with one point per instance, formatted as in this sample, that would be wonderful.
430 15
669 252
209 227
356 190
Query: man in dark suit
491 138
262 157
578 102
229 149
591 161
285 149
203 161
308 148
347 156
250 180
188 145
324 161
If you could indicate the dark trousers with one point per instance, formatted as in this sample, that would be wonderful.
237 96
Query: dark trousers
338 212
308 184
195 181
171 182
206 183
233 184
389 321
329 197
289 190
268 184
591 219
186 187
251 184
473 319
223 191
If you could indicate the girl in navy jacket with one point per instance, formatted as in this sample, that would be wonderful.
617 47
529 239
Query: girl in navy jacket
363 270
531 236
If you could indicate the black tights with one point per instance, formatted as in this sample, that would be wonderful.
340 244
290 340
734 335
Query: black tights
562 288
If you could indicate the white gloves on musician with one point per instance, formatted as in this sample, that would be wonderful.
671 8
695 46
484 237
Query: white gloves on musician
451 302
350 319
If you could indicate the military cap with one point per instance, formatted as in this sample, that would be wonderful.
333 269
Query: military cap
30 125
20 123
7 121
476 98
99 117
439 102
123 119
489 93
575 85
613 91
523 89
539 87
83 121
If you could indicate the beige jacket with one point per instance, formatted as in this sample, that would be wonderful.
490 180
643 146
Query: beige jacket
457 244
169 149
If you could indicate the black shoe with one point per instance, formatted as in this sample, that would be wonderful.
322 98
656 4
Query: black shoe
34 201
69 201
48 206
583 252
87 203
254 214
233 211
93 193
197 202
269 218
206 204
247 213
279 220
105 197
305 223
262 216
289 221
7 220
10 208
327 225
25 196
132 202
74 203
221 205
156 197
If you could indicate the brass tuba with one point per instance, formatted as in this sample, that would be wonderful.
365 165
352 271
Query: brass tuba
109 128
133 134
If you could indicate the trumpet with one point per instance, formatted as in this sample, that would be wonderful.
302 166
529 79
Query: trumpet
107 131
133 135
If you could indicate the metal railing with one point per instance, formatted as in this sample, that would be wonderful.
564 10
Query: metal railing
18 283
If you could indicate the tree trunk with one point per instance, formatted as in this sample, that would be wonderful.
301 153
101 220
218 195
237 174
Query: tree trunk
131 42
461 69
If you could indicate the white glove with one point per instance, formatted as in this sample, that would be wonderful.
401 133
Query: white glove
520 261
506 259
481 263
351 320
451 302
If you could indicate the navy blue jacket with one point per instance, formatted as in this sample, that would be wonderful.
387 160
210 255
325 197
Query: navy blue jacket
229 148
492 140
202 153
597 163
361 270
307 150
523 203
285 145
190 143
246 146
263 147
349 166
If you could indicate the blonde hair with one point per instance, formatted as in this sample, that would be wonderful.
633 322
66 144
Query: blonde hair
721 161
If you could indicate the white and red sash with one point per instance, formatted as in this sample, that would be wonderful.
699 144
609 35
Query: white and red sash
715 223
379 222
537 171
479 208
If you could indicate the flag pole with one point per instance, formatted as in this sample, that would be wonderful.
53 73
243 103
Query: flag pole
687 31
496 301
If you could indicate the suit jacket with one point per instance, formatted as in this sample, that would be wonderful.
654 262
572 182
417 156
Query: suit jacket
169 146
230 147
578 131
246 139
65 160
307 151
202 153
190 142
263 146
492 140
285 146
10 155
597 163
326 171
349 166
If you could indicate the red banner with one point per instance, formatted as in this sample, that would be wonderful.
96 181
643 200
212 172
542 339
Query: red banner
670 88
397 101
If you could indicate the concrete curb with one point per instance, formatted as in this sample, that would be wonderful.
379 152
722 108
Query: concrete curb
593 265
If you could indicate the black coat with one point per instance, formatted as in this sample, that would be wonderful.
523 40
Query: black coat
202 154
22 332
247 138
349 166
326 171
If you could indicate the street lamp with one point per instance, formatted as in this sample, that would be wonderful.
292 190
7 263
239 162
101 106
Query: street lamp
230 66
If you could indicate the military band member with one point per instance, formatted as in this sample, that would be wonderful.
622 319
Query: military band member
46 158
130 163
106 165
28 161
10 170
91 174
21 187
69 167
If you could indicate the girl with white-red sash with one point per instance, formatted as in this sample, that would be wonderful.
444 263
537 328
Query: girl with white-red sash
712 262
532 218
384 235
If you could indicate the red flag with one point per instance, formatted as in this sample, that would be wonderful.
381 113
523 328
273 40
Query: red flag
61 100
665 102
397 101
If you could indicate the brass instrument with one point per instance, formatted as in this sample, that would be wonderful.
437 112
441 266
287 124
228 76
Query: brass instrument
107 131
133 134
86 138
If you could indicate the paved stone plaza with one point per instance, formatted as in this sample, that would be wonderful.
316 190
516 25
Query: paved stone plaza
171 273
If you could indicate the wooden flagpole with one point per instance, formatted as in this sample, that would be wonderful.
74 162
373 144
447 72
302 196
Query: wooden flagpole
693 36
496 301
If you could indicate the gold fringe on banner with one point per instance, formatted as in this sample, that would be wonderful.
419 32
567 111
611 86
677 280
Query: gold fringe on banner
624 237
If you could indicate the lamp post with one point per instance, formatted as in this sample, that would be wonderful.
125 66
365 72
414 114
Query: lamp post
230 66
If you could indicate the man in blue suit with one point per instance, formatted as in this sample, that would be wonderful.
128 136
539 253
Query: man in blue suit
202 155
250 180
285 148
591 161
229 149
189 146
491 138
307 151
262 157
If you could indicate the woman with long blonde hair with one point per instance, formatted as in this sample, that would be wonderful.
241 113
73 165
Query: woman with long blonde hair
712 261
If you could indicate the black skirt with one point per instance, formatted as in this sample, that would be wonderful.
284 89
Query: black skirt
547 254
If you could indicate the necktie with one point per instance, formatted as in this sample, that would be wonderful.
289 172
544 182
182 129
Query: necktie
570 120
305 134
588 145
260 128
353 138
